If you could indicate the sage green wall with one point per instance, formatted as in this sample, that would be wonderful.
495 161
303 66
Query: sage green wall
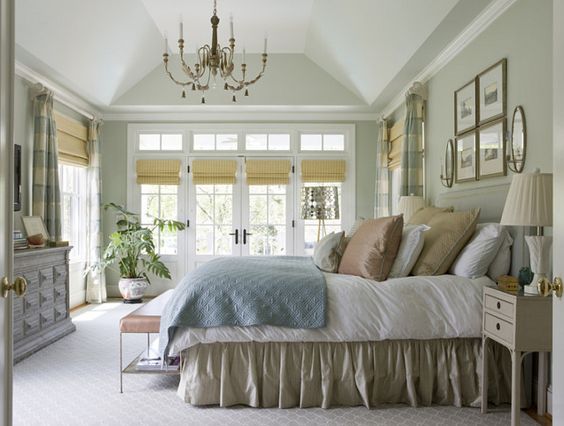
523 35
114 162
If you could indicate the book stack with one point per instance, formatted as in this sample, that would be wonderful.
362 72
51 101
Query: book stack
20 242
150 360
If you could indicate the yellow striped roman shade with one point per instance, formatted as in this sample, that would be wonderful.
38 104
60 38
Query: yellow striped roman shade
323 170
72 139
268 172
396 141
210 172
158 172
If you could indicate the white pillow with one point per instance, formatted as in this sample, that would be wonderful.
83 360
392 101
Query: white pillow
328 251
501 263
475 258
412 242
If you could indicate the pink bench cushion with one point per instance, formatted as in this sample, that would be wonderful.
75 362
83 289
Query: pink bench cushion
147 318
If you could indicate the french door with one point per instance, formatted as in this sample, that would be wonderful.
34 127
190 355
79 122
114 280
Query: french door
239 219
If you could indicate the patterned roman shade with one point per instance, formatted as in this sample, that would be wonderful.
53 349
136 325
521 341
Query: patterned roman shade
268 172
396 141
158 172
71 141
210 172
323 170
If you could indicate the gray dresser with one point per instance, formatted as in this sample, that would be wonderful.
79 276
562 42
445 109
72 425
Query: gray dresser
42 315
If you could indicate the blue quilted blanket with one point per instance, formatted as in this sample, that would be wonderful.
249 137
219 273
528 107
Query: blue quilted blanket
282 291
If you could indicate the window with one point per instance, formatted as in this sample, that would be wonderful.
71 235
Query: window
267 142
161 201
160 142
215 142
313 228
322 142
267 220
72 181
214 219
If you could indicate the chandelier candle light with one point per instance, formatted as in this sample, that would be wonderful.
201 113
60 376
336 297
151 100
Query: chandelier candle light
213 60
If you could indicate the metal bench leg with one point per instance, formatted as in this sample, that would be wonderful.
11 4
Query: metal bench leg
120 363
148 344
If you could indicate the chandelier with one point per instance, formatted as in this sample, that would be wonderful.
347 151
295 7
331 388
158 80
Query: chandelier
213 61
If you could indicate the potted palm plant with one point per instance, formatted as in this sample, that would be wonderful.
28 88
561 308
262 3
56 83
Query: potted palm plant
132 247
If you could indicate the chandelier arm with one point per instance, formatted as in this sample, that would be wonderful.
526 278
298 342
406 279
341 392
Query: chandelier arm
169 73
261 73
185 67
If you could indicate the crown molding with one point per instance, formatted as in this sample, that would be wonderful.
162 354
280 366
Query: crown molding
473 30
62 95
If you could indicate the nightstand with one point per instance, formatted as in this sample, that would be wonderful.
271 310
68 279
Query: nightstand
522 323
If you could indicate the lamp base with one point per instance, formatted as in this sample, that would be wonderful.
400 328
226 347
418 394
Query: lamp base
539 251
531 288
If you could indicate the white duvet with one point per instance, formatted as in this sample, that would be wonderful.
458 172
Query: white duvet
359 309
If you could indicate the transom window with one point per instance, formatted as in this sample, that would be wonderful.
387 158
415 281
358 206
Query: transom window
322 142
160 142
267 142
160 201
215 142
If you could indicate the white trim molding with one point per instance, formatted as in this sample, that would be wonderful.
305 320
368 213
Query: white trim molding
473 30
62 95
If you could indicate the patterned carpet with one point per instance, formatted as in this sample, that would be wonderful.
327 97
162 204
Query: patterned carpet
75 381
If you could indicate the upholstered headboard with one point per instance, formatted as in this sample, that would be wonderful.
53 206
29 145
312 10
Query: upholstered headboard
491 200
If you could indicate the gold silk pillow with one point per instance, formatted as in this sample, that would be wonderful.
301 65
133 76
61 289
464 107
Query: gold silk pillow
425 214
448 235
372 250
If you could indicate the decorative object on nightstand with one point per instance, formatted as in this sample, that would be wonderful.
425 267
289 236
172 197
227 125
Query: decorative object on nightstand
321 203
508 283
529 203
409 204
523 324
525 276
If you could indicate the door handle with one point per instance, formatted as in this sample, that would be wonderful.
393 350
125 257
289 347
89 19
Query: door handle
546 287
19 286
245 235
236 233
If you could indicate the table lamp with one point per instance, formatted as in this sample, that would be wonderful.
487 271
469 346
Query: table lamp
529 203
409 204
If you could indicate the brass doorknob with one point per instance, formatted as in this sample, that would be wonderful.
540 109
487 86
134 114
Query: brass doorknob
545 287
19 286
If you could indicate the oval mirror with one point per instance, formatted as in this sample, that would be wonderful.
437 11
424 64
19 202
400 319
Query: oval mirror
517 146
447 172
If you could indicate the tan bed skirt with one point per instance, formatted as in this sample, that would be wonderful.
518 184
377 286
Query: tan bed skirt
414 372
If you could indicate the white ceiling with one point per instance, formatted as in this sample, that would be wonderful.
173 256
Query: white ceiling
106 49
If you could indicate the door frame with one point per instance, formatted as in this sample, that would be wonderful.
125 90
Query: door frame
7 71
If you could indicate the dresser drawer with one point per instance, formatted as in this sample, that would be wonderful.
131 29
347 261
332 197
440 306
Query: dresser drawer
500 307
46 318
499 327
60 294
60 312
30 325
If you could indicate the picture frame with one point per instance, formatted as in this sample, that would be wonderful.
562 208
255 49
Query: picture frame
465 157
465 108
491 86
491 149
34 225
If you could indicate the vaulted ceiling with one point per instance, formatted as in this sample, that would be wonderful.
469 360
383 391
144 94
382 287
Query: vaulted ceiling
321 52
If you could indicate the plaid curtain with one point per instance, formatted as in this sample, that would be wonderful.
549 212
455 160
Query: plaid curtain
382 187
412 151
95 277
46 192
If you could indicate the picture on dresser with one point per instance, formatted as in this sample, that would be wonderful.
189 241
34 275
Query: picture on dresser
492 94
465 108
34 226
491 148
465 158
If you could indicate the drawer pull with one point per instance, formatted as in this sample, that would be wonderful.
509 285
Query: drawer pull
498 305
498 326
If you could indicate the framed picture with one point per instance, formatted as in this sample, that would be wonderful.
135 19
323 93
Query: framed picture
465 113
465 158
34 225
492 92
491 149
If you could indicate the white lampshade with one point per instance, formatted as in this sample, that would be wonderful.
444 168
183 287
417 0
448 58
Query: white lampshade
409 204
529 201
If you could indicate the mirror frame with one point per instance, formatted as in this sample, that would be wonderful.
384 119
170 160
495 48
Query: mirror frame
447 179
517 166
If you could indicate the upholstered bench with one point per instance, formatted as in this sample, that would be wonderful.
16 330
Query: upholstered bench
145 319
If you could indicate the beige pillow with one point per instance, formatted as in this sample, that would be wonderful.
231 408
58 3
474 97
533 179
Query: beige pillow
425 214
372 249
448 234
328 251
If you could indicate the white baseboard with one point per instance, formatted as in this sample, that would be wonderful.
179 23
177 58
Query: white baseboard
77 298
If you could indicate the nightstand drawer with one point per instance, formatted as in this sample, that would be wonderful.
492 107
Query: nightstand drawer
499 328
498 306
